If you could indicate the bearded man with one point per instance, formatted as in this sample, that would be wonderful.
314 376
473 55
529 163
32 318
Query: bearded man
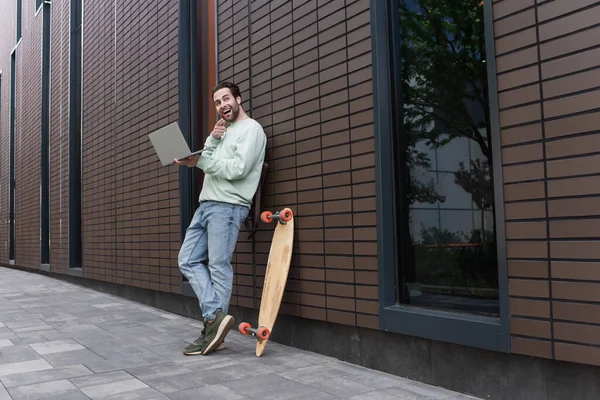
232 162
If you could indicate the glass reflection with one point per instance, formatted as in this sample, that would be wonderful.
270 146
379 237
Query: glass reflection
445 148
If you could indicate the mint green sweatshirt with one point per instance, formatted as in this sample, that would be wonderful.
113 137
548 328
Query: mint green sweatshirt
233 164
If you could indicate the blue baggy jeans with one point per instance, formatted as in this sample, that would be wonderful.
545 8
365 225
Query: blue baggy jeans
206 252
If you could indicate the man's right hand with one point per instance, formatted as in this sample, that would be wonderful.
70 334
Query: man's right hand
188 162
219 129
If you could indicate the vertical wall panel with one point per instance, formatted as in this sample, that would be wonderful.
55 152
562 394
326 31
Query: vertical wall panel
547 71
304 68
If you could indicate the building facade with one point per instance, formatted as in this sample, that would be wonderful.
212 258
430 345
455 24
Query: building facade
439 156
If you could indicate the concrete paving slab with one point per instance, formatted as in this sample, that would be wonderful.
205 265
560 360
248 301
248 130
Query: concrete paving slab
63 341
60 389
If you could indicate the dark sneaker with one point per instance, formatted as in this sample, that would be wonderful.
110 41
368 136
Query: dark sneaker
195 348
216 332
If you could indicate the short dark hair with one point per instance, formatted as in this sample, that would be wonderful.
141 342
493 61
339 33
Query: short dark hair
235 90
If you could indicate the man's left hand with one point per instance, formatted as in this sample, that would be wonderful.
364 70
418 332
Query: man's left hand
188 162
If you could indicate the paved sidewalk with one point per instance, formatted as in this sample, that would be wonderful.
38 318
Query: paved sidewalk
63 341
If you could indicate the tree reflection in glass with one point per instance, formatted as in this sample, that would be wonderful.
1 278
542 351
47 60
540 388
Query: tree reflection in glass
448 206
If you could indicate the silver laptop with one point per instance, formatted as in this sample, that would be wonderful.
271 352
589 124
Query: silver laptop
169 144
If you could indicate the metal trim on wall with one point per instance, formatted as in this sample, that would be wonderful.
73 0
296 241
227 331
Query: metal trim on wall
192 63
45 134
447 326
185 123
500 221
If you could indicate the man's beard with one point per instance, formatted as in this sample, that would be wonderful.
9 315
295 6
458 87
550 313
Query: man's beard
233 115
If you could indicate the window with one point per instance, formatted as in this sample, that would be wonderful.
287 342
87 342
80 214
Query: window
19 18
437 172
38 5
444 158
75 99
11 179
45 139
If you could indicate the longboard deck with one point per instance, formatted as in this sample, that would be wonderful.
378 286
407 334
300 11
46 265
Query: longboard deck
278 267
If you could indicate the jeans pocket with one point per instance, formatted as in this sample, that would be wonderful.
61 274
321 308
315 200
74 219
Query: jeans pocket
241 213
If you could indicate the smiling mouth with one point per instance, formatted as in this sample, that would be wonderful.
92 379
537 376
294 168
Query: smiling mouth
227 113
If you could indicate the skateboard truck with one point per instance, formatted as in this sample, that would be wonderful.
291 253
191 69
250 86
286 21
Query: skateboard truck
262 333
282 216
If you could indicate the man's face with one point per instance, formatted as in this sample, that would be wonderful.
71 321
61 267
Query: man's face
226 105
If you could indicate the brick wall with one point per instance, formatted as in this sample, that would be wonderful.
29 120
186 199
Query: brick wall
27 138
130 202
27 127
304 68
547 64
8 35
59 137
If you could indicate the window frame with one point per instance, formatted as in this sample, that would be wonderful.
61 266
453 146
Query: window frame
11 154
491 333
45 135
38 6
19 26
76 21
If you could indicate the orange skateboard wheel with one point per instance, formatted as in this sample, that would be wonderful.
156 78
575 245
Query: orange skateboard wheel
266 217
244 328
286 215
263 333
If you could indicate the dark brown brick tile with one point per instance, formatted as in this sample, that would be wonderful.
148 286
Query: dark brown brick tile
574 186
572 63
572 104
577 333
526 230
572 146
526 250
341 303
523 114
574 207
357 7
367 321
577 353
517 59
313 313
524 191
518 78
507 7
514 23
529 327
360 19
525 210
339 317
528 288
523 172
571 125
553 9
521 134
525 153
571 43
528 269
574 228
576 291
520 96
516 41
576 312
531 347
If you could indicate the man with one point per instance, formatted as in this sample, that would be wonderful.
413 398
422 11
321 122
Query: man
232 162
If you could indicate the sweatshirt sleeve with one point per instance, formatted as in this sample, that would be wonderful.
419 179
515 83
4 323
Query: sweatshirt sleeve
248 149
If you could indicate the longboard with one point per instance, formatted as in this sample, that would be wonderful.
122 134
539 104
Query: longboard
278 267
